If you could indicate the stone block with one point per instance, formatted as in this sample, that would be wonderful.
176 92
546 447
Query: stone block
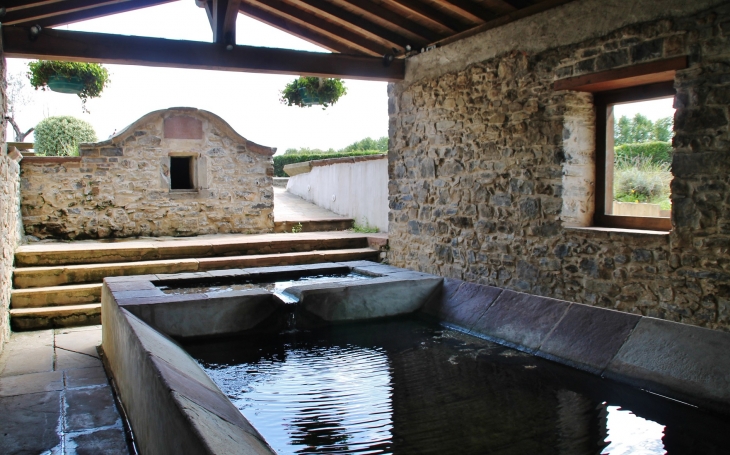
462 303
676 360
521 320
588 337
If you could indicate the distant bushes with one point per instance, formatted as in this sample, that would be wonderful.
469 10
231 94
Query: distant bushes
657 152
60 136
282 160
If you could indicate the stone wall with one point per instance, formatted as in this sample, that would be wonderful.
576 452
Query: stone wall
10 227
121 187
491 170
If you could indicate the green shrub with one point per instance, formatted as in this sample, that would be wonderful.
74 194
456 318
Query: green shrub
60 136
656 152
641 180
282 160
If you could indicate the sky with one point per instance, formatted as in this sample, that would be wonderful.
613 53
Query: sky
653 110
249 102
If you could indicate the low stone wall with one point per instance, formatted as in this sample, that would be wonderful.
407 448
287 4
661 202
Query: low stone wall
11 234
121 187
356 187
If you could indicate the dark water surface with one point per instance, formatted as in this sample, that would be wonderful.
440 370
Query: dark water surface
414 387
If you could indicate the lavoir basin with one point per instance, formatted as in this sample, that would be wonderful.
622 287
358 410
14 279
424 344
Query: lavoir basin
366 358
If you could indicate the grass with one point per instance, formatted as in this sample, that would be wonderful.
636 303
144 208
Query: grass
364 228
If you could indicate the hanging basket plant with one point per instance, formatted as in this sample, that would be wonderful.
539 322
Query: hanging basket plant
87 80
311 91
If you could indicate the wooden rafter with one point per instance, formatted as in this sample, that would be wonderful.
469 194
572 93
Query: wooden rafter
136 50
355 21
469 10
423 34
291 27
106 9
311 21
42 11
14 5
432 14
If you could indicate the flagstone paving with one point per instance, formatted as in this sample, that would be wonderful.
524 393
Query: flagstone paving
55 397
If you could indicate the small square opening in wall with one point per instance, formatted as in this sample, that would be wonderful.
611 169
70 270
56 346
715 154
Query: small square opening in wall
181 173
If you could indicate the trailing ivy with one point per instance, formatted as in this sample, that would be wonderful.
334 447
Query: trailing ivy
325 91
93 76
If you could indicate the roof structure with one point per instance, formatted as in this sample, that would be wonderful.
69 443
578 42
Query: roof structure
369 39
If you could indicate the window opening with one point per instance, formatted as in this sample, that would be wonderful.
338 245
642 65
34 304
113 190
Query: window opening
633 157
638 175
181 173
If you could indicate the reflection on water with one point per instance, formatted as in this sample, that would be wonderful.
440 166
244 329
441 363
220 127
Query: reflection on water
410 387
632 435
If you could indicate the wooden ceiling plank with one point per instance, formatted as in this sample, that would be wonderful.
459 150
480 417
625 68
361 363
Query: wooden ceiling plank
357 21
14 5
309 20
36 13
397 20
296 29
502 20
135 50
470 10
432 14
115 8
499 6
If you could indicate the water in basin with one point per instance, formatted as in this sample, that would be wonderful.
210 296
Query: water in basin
414 387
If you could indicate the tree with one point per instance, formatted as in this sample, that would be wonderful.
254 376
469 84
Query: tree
641 129
17 96
60 136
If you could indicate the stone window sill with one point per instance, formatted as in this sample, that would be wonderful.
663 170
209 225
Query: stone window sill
183 194
615 230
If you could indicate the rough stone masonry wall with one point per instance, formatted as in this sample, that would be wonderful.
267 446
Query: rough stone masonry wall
489 167
121 187
10 228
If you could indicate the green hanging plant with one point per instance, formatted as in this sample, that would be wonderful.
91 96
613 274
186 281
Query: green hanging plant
87 80
310 91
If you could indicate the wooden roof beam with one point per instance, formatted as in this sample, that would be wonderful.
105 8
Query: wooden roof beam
222 15
356 21
91 13
42 11
136 50
14 5
293 28
311 21
469 10
432 14
397 20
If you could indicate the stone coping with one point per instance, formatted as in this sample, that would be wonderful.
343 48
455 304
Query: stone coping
172 405
306 166
39 160
680 361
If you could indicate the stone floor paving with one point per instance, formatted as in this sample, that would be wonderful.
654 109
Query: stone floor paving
55 397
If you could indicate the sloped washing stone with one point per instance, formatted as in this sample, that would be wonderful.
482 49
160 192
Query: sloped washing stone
588 337
678 360
462 303
233 313
519 320
362 300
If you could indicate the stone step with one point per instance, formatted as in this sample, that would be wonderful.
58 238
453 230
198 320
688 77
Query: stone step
34 277
83 252
337 224
75 294
23 319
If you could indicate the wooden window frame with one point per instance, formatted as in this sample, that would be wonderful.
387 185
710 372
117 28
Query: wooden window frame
644 81
602 100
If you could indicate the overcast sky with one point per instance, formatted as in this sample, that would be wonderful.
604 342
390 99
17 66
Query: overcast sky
249 102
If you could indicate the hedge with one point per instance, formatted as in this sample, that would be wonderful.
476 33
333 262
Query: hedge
282 160
60 136
656 152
